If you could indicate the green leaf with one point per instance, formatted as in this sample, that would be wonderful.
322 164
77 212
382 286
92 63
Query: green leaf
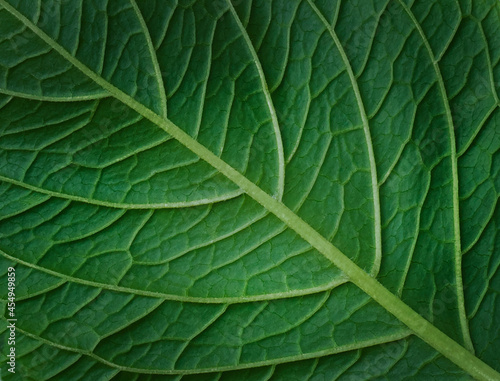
255 190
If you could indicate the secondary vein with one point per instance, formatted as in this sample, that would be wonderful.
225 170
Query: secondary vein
340 349
123 205
368 140
179 298
269 102
154 59
456 204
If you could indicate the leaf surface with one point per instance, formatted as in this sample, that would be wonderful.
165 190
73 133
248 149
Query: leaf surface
251 190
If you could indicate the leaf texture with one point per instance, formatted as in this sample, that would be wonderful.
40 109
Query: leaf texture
255 190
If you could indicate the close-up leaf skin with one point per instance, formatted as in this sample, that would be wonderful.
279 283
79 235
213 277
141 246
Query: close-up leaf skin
249 190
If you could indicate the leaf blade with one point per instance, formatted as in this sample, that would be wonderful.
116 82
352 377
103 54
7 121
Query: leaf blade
277 208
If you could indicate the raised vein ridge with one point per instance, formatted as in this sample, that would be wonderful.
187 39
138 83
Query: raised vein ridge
456 206
368 140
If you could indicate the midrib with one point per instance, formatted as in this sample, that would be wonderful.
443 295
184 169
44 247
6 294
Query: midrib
421 327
